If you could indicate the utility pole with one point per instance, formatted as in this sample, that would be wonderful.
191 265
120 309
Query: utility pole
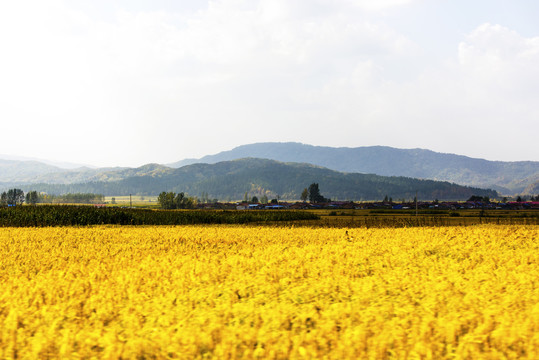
416 203
130 201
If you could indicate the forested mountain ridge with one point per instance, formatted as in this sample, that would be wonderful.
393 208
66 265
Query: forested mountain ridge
532 188
34 172
506 177
101 174
230 180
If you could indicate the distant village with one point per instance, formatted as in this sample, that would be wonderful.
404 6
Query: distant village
350 205
172 200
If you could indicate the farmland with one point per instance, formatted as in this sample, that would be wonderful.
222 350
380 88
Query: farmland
408 218
69 215
229 291
73 215
134 200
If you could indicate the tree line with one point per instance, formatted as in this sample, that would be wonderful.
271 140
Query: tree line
72 215
14 197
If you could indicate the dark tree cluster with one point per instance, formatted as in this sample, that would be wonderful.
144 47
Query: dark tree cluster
315 196
171 200
12 197
32 197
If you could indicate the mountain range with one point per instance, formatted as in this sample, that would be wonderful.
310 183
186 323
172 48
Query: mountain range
367 173
505 177
232 180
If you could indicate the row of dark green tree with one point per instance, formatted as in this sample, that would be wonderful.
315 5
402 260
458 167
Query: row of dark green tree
14 197
75 215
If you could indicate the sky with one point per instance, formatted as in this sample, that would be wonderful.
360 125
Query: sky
130 82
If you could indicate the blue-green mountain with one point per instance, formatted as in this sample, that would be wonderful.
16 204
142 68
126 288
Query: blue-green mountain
231 180
506 177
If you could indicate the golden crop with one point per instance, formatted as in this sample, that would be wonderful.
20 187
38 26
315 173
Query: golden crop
266 292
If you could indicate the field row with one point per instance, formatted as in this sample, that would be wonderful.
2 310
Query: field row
70 215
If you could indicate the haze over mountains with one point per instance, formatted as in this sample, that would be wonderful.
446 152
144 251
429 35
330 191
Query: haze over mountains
505 177
231 180
341 173
59 164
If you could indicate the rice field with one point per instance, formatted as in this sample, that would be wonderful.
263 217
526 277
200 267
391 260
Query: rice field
229 292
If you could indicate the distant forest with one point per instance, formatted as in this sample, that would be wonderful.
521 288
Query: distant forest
17 196
231 180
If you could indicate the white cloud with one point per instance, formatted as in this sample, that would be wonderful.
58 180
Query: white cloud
482 103
379 4
499 57
237 71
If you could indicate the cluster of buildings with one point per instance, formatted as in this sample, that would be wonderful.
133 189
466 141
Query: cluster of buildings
440 205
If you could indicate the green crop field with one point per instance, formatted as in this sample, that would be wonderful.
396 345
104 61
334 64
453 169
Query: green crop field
136 200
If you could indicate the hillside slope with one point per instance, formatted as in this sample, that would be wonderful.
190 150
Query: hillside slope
230 180
22 171
100 174
532 189
506 177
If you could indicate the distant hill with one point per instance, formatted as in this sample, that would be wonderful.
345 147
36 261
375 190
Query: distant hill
506 177
22 171
230 180
532 189
59 164
101 174
27 172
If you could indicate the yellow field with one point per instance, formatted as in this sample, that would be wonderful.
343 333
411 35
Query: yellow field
250 292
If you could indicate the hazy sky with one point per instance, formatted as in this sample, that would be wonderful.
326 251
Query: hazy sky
112 82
